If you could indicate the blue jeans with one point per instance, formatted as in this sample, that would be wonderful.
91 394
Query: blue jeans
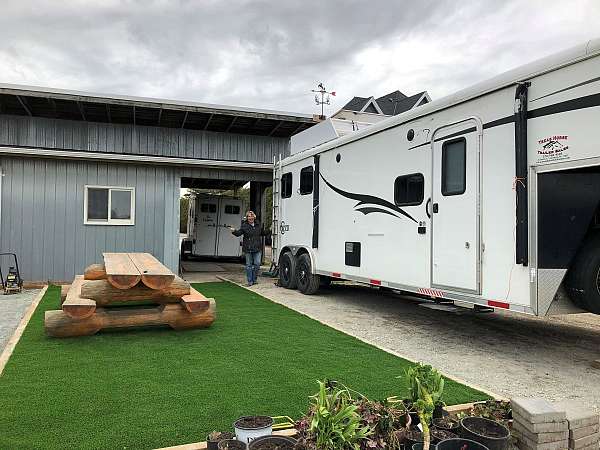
252 265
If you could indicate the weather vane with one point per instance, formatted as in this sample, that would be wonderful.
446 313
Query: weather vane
322 101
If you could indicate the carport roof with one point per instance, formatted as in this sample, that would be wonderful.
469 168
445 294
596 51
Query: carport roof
122 109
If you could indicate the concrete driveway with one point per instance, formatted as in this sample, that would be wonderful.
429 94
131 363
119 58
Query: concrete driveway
508 354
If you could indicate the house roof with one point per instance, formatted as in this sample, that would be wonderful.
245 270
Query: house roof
108 108
390 104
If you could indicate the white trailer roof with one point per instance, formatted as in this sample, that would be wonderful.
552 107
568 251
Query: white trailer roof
522 73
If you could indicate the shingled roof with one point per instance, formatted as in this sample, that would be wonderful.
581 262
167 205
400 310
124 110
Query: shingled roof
390 104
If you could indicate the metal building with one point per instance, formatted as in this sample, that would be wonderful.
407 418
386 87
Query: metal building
84 173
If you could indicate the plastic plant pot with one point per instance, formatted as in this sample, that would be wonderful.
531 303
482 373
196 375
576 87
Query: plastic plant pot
279 442
248 428
232 444
460 444
490 433
214 444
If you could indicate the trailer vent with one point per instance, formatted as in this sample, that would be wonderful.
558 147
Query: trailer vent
353 254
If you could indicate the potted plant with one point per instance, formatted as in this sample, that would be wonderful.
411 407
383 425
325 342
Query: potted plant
460 444
273 443
231 444
213 439
248 428
490 433
438 435
389 422
333 421
426 385
447 423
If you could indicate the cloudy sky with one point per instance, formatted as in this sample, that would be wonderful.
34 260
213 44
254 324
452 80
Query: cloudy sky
269 54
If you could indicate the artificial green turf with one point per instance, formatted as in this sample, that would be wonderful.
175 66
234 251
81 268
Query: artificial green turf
153 388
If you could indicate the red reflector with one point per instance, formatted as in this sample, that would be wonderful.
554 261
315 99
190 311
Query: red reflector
336 275
375 282
498 304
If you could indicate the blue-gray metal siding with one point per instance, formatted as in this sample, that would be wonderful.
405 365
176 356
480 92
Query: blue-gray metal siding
23 131
41 212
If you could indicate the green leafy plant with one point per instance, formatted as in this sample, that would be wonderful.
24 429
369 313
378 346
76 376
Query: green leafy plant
426 386
333 422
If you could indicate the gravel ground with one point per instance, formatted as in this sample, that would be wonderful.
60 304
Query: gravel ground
12 308
504 353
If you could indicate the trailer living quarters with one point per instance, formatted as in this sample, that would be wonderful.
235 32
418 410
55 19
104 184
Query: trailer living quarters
488 196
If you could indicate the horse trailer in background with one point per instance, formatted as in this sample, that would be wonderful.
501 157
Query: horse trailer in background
486 197
209 217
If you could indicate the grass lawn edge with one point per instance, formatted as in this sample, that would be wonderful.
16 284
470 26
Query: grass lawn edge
368 341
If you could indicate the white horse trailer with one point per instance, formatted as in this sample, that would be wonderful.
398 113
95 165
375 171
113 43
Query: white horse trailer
487 197
209 217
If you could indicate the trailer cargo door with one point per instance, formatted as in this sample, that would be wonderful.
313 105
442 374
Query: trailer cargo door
455 255
206 227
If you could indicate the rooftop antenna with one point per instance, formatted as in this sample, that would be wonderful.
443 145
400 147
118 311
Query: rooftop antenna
323 100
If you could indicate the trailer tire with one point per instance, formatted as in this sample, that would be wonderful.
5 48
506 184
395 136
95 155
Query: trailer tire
308 282
287 271
583 279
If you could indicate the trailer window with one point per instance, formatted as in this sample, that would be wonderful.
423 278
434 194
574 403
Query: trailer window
105 205
454 167
286 185
306 180
208 208
409 189
232 209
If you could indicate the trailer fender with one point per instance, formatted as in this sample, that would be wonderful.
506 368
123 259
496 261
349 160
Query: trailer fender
298 250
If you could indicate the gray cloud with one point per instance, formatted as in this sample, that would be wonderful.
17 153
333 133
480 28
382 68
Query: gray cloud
269 54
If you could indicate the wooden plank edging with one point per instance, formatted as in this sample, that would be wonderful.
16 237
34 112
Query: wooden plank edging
14 339
368 341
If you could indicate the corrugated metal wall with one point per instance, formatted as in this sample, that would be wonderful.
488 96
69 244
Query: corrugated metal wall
140 140
41 212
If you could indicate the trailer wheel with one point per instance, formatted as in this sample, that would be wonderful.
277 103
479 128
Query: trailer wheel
287 271
583 279
308 283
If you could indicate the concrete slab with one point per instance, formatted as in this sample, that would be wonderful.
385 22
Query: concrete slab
578 433
578 415
536 410
525 444
12 308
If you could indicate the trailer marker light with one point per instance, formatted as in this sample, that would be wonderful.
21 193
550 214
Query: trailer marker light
375 282
498 304
336 275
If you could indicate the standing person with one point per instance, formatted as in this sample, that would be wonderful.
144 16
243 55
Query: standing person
252 244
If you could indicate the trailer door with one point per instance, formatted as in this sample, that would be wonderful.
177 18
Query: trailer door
206 227
230 215
455 253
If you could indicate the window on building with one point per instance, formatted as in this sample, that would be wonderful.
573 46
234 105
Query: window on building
306 180
208 207
409 189
109 205
286 185
454 167
232 209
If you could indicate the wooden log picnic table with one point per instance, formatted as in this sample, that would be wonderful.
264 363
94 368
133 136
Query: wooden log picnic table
126 278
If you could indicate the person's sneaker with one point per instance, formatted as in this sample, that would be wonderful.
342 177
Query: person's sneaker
249 284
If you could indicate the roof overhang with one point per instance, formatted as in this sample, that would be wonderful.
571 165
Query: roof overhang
121 109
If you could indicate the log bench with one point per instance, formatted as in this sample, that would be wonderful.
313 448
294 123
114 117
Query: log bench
125 278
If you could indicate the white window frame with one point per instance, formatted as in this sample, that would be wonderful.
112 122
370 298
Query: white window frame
110 221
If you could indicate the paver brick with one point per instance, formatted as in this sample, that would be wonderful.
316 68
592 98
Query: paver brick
540 438
528 445
584 441
537 410
578 433
578 415
550 427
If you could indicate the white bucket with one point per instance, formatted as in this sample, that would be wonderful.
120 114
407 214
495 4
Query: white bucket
247 435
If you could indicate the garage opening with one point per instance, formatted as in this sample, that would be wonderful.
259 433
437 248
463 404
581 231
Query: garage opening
209 208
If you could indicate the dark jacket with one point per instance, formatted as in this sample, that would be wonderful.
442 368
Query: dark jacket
252 236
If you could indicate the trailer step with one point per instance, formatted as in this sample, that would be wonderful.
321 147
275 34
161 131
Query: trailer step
446 307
